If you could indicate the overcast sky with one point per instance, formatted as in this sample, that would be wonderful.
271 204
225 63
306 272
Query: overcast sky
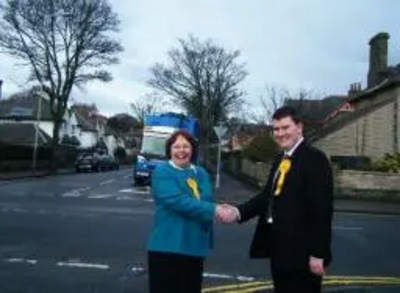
312 44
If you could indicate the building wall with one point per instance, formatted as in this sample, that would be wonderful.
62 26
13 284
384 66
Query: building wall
341 142
87 139
111 144
372 134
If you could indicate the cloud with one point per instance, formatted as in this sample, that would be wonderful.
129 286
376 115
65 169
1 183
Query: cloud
320 45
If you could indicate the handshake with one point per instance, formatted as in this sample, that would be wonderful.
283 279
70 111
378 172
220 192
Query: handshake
226 214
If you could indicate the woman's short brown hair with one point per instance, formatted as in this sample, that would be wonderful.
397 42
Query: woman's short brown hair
186 135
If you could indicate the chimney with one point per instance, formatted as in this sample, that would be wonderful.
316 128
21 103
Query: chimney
378 58
355 88
1 89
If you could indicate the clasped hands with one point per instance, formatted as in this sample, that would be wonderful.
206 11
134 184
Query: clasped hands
226 214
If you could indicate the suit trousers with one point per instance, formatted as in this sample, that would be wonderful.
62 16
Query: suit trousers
174 273
296 281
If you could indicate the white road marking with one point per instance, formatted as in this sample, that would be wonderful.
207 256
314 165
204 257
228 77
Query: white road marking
129 190
83 265
138 269
21 260
19 210
127 176
125 197
347 228
84 188
228 277
107 182
134 269
140 190
72 193
100 196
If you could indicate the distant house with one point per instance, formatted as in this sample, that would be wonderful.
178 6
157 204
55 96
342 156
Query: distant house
32 107
22 134
367 122
243 135
316 112
93 129
82 125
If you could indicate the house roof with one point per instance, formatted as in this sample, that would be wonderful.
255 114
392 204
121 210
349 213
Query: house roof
24 105
371 93
84 116
88 118
22 134
316 111
252 129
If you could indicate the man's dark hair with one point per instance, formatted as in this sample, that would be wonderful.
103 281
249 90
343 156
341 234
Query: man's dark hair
186 135
287 111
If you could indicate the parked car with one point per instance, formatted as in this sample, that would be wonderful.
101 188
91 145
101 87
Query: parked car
107 162
87 161
95 162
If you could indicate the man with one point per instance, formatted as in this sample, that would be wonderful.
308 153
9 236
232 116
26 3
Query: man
298 201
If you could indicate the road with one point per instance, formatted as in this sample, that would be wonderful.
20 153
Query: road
88 232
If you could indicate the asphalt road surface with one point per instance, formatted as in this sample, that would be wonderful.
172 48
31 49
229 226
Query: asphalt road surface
88 232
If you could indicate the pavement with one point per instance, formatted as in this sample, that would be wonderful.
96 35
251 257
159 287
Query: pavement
360 206
9 176
30 174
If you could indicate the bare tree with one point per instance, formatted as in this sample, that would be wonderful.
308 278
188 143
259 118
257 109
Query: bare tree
203 79
64 43
275 97
271 100
147 104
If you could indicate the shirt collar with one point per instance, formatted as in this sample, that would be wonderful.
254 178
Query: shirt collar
290 152
180 168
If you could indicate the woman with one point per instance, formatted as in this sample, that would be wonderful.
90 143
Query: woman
182 234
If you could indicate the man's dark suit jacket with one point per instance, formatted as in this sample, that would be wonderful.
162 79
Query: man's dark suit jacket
302 213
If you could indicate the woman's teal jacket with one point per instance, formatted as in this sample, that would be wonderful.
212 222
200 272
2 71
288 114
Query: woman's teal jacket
183 223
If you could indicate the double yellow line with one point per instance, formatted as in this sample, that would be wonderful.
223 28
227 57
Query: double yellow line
252 287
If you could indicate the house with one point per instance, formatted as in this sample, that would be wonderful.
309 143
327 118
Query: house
367 122
93 129
243 135
82 126
23 134
316 112
31 107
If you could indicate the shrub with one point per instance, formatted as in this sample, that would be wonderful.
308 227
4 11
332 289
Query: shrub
261 149
389 163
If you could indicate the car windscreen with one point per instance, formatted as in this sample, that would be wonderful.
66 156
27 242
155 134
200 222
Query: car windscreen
154 145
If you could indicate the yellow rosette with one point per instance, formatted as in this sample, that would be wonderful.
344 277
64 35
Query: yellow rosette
284 168
193 186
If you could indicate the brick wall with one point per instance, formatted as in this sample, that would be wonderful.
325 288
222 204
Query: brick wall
367 180
348 183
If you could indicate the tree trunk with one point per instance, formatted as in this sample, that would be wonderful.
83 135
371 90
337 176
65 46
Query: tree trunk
54 146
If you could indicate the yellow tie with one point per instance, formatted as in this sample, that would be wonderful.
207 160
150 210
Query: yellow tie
283 168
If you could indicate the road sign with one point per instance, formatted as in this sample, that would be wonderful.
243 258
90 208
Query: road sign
220 131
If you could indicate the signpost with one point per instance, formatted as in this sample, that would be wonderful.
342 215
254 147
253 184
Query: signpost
220 132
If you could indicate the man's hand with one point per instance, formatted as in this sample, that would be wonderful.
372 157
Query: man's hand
317 266
227 214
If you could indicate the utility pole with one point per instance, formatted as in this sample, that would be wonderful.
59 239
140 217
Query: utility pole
220 132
